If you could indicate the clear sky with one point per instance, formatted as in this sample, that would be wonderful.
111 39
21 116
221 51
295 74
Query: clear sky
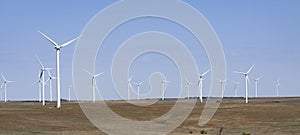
265 33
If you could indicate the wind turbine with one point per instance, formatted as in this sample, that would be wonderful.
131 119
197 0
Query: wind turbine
94 83
163 88
277 87
138 87
246 80
129 87
200 83
188 83
256 85
235 87
222 82
57 48
4 84
50 84
42 76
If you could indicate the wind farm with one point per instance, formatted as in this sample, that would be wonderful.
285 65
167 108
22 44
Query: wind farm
154 67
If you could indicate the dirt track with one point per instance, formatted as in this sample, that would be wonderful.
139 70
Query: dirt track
261 116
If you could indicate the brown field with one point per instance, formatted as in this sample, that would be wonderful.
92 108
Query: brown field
276 116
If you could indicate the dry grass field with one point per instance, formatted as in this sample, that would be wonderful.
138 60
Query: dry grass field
276 116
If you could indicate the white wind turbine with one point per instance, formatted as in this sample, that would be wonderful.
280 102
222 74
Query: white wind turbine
222 82
129 87
4 84
138 85
200 83
163 88
50 84
94 83
246 81
57 48
277 87
235 87
42 76
256 85
188 83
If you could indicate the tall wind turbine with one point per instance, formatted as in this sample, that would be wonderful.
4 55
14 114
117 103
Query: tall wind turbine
50 84
222 82
235 87
129 87
94 83
246 80
139 87
256 85
187 84
163 88
277 87
42 76
57 48
200 83
4 84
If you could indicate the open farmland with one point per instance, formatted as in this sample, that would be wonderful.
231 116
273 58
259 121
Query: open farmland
261 116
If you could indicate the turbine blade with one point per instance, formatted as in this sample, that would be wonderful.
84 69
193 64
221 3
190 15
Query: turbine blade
41 74
3 77
239 72
2 85
129 80
69 42
49 39
88 72
37 57
198 82
10 81
197 74
250 69
205 73
99 74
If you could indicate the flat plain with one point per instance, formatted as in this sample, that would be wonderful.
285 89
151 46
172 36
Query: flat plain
274 116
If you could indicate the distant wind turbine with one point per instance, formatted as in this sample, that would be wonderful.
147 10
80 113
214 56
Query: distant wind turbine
163 88
139 87
4 84
42 76
57 48
277 87
94 83
200 83
235 87
246 80
129 87
256 85
187 84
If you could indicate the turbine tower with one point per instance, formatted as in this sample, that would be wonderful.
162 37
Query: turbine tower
163 88
187 85
57 48
235 87
129 87
200 83
42 76
222 82
4 84
50 84
246 81
277 87
69 91
256 85
139 87
94 83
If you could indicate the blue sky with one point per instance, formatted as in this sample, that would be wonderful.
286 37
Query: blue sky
264 33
